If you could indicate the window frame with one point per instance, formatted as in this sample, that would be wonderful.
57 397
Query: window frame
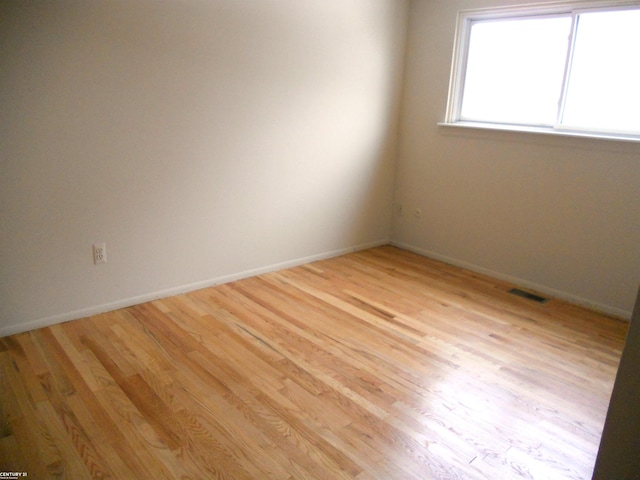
572 8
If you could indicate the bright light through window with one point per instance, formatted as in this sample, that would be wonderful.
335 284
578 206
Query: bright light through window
558 67
515 69
604 87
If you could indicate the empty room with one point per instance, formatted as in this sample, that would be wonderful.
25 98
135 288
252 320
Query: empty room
319 239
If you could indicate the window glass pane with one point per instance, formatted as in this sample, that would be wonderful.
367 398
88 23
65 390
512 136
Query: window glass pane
515 69
604 85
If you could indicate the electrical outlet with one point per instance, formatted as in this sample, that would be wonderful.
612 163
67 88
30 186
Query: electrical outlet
417 213
399 210
99 253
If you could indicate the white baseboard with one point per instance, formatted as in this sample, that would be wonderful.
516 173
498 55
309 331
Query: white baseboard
606 309
148 297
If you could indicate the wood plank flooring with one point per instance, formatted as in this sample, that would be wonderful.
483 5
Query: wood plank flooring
379 364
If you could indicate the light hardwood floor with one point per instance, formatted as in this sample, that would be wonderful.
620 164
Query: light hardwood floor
375 365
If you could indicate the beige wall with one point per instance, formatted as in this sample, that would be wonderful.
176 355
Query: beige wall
201 140
558 214
205 141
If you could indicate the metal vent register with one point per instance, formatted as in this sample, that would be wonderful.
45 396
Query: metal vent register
528 295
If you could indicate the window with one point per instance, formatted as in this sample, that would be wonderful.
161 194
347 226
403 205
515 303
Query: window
571 67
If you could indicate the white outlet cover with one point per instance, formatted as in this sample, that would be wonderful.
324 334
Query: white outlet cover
99 253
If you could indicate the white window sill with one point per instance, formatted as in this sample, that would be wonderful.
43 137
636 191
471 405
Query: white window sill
540 130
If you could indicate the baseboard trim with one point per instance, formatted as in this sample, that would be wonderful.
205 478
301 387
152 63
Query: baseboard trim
151 296
600 307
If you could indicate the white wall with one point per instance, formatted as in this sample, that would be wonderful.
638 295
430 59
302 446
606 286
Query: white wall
558 214
201 140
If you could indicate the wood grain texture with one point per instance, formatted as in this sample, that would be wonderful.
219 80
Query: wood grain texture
380 364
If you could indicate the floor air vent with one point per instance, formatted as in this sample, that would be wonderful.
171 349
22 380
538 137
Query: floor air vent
528 296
